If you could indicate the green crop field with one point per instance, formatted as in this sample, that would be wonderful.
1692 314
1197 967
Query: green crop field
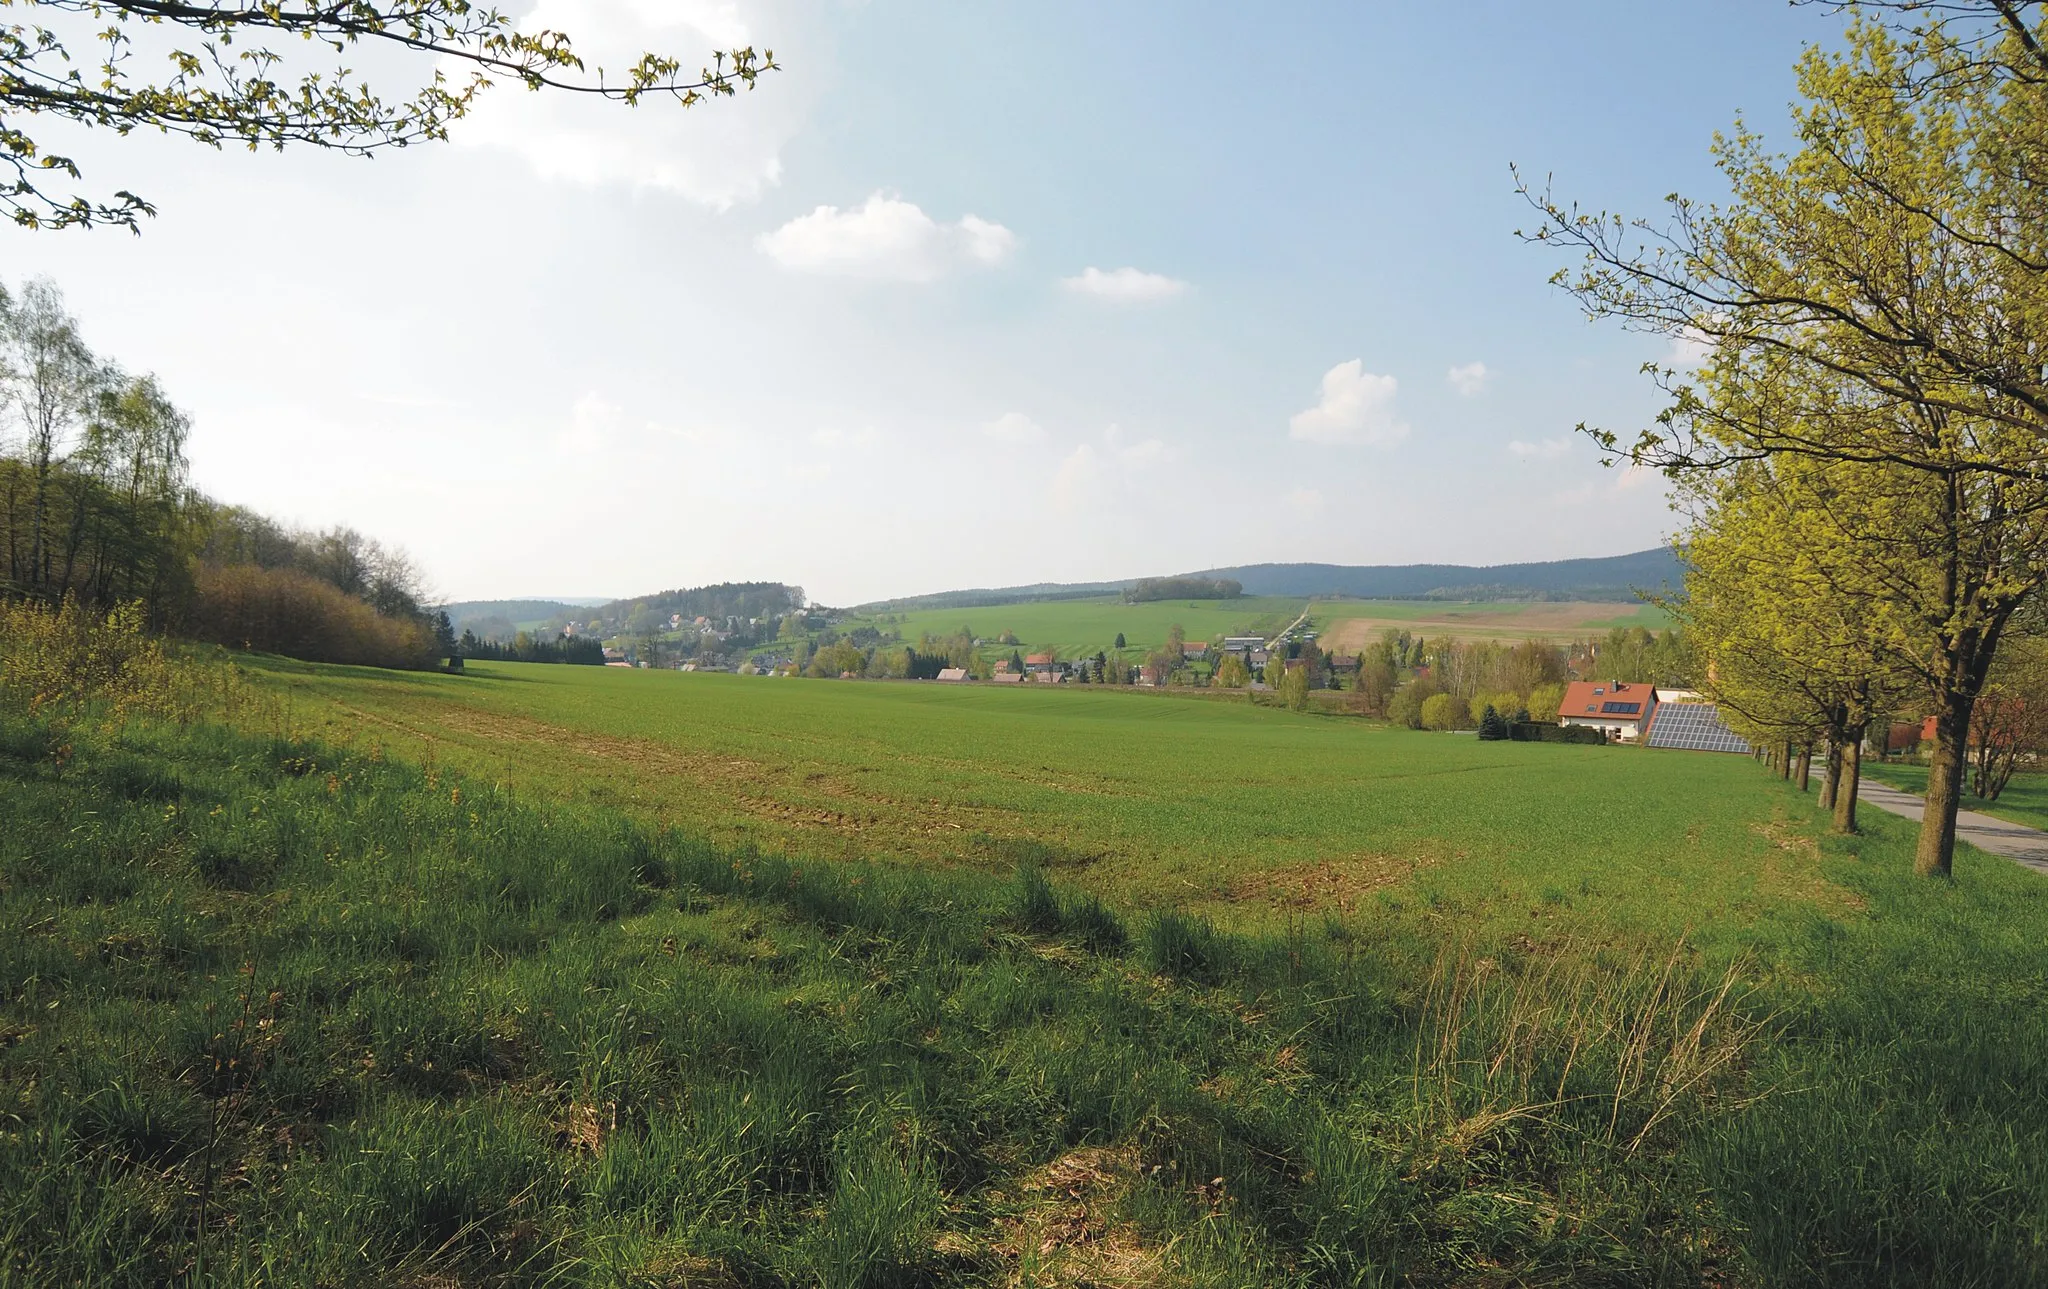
1078 627
1146 798
566 976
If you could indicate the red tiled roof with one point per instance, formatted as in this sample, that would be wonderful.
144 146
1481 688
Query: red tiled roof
1039 659
1592 699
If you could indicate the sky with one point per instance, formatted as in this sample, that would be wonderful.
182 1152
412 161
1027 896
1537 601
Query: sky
967 294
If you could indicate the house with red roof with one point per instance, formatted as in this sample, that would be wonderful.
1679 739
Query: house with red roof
1621 709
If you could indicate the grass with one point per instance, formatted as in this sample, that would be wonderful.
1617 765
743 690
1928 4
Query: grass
1233 810
2024 801
277 1012
1078 627
282 1011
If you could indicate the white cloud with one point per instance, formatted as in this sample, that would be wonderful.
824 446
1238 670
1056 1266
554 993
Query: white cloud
886 238
1078 479
836 436
1087 475
594 425
1356 407
721 152
1306 501
1688 349
1124 285
1144 452
1543 448
1014 427
1469 379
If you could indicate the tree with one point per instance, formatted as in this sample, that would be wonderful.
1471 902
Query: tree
1492 725
1292 686
1877 299
2010 724
1176 642
1120 645
1544 700
1445 712
265 75
51 381
1231 673
1378 674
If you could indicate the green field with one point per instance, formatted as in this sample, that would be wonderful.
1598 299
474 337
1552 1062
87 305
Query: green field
1077 627
1147 798
557 975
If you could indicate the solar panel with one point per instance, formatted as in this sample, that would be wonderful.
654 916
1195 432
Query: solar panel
1621 709
1696 727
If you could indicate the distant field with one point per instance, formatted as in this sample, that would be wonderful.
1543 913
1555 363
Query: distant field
1145 798
1349 625
1084 626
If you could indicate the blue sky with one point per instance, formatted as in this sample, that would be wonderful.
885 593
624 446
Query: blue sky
844 331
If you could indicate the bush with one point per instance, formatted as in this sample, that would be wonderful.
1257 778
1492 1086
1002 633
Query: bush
1538 732
285 611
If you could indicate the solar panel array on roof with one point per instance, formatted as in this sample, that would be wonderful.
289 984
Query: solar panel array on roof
1696 727
1621 709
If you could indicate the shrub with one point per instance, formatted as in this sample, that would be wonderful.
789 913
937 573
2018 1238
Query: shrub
1491 724
298 615
1539 732
1446 712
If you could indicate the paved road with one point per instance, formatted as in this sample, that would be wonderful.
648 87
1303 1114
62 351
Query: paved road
2016 842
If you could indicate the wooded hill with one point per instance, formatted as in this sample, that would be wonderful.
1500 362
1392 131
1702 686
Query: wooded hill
1613 577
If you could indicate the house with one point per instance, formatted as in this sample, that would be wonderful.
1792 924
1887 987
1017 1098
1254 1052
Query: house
1622 709
952 673
1258 657
1150 675
1344 662
1195 651
1008 677
1041 664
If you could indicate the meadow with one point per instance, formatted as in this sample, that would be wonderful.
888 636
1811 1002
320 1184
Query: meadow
1210 802
367 990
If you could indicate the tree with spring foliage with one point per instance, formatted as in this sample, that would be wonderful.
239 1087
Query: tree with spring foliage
1877 300
271 74
1794 631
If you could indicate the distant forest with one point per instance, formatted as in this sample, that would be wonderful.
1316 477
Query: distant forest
1147 589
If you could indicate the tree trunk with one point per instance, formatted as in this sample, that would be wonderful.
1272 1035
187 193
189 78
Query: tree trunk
1804 771
1833 774
1935 855
1785 762
1851 779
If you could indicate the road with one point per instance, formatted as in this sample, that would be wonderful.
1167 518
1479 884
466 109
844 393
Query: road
2017 842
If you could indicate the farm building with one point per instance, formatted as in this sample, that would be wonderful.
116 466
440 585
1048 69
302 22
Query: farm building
1622 709
952 673
1243 644
1195 650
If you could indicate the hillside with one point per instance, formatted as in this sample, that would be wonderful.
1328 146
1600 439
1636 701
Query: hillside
1612 577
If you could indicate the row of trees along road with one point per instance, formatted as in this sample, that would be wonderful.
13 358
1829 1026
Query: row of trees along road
1863 443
